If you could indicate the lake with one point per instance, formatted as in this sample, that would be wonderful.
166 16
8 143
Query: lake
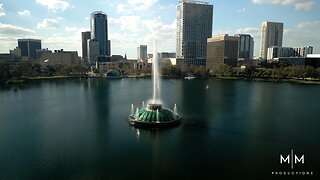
78 129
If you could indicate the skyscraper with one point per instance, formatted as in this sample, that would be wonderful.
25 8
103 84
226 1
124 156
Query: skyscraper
271 35
85 37
246 45
99 31
194 26
142 52
29 47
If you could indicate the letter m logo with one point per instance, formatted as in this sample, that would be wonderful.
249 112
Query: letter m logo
301 160
283 160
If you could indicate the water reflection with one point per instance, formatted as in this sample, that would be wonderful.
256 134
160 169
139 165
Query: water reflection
194 105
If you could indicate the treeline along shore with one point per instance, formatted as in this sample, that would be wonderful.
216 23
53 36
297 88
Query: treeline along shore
25 71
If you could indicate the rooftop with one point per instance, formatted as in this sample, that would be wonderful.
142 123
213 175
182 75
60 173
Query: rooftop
313 56
194 2
37 40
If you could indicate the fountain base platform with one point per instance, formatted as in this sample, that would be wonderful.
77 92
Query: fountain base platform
154 116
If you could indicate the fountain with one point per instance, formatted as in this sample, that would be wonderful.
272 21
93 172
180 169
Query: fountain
154 115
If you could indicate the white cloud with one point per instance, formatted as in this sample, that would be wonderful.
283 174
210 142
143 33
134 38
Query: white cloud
113 21
48 23
9 30
242 10
142 4
305 33
308 24
24 13
54 4
63 41
2 13
70 29
221 31
136 5
299 4
166 7
135 31
132 23
254 32
306 5
10 33
121 8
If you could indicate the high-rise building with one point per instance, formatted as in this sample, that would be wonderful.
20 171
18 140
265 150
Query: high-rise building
194 27
99 31
142 52
85 36
93 51
29 47
271 35
222 49
246 45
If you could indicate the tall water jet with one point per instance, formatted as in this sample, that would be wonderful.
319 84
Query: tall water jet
175 109
132 110
158 115
156 74
137 113
154 116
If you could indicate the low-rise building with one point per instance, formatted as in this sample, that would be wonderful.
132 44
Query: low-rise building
16 51
311 60
285 52
11 58
60 57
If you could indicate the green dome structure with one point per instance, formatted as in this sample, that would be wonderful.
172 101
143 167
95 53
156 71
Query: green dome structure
154 116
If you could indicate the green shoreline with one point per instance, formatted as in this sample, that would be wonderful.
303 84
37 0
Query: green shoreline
292 80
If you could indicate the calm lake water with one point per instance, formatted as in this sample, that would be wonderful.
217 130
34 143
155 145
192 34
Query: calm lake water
78 129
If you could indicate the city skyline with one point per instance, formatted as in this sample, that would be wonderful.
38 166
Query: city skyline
59 23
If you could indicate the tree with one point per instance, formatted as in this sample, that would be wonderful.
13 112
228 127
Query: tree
309 71
27 69
5 73
318 72
222 70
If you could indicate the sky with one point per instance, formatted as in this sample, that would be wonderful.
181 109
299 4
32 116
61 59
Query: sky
59 23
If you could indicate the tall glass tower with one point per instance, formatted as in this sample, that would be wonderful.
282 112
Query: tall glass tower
99 31
194 27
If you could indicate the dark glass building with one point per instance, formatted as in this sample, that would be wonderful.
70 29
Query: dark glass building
246 46
85 37
29 47
99 31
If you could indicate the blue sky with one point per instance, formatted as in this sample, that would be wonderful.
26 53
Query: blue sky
58 23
